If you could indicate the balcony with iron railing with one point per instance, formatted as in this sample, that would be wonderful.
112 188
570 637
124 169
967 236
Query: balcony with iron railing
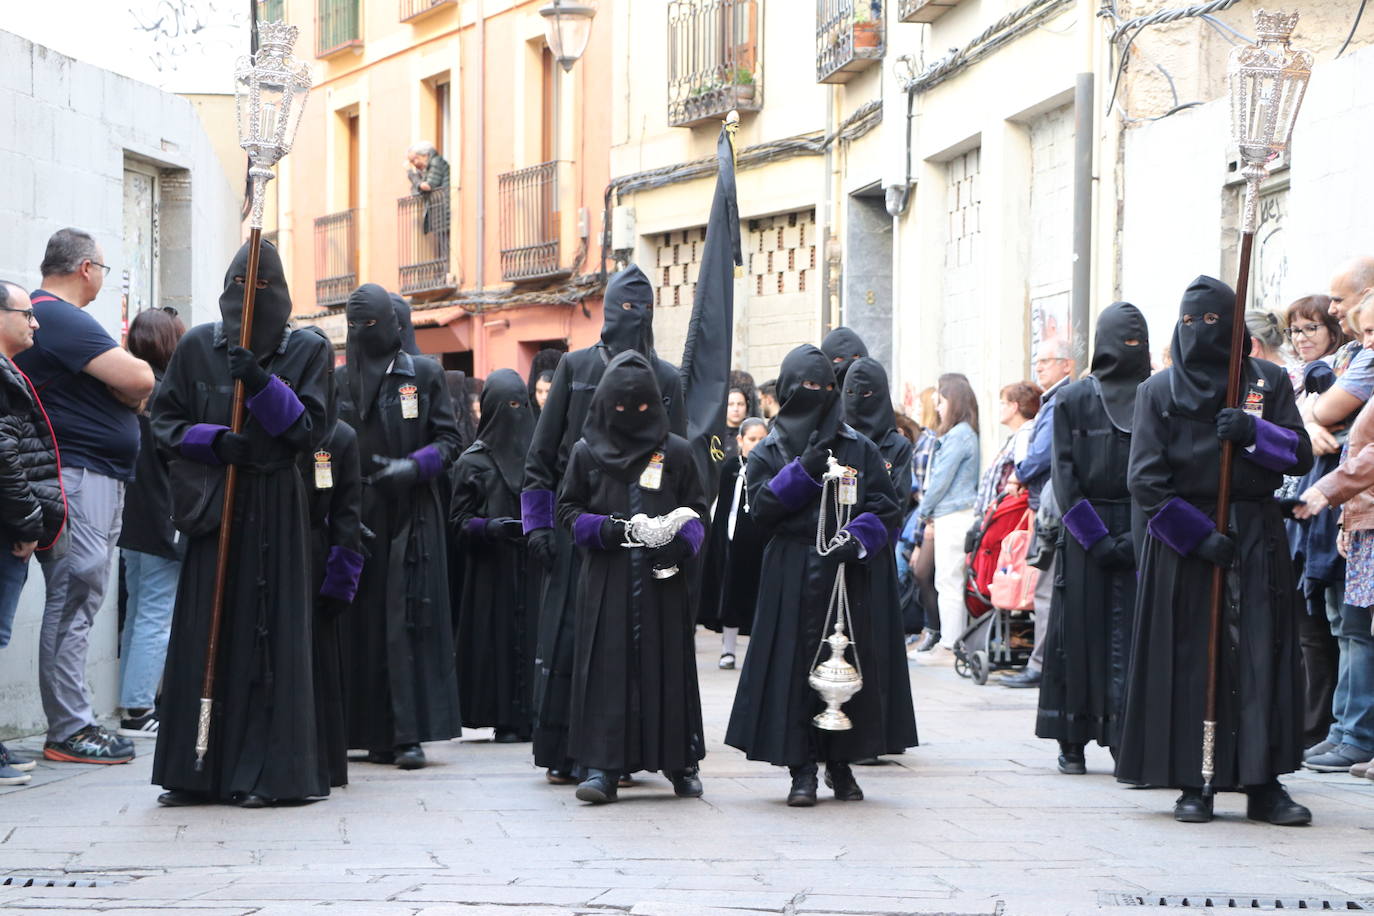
712 60
849 38
271 10
423 227
414 9
924 10
531 224
338 25
336 257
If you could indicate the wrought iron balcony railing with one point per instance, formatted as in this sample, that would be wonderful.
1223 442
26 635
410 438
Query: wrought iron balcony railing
413 9
423 232
924 10
530 222
336 257
849 38
713 54
338 25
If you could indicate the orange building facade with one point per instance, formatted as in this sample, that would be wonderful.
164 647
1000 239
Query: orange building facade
507 259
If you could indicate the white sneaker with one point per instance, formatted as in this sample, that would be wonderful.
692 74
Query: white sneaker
144 726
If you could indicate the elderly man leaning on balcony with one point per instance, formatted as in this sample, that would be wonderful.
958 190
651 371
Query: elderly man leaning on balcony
429 171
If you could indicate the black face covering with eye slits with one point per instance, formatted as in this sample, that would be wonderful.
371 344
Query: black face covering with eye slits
622 440
507 424
1118 366
806 410
1202 351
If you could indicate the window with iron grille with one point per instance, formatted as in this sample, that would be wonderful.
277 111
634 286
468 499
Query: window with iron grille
338 25
713 56
411 9
271 10
530 223
336 257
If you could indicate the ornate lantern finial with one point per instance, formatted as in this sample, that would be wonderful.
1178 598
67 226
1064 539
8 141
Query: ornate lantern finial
270 89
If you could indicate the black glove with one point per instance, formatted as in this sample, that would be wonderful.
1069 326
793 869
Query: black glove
1236 425
542 545
670 554
1286 506
816 457
1217 549
243 365
233 448
612 533
1113 553
504 529
395 474
1318 377
333 608
848 552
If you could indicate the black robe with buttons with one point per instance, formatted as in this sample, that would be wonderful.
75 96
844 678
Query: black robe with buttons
402 687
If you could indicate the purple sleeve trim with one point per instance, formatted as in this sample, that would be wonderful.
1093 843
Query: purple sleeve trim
476 527
1181 525
199 442
693 532
1275 448
430 461
870 531
341 572
1085 524
792 486
276 407
587 531
536 509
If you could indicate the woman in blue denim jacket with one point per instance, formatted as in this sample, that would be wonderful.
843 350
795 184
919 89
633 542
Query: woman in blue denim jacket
947 504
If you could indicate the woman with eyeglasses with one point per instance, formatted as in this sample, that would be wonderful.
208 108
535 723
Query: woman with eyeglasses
1316 338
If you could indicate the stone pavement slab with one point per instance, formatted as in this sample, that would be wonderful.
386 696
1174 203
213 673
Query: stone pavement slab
976 821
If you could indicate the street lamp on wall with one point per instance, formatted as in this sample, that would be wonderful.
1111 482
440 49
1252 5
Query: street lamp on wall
567 27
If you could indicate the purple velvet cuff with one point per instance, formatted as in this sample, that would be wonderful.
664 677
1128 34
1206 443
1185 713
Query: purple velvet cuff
536 509
693 532
476 527
792 486
341 572
276 407
1181 525
1275 448
1085 524
430 461
870 531
199 443
587 531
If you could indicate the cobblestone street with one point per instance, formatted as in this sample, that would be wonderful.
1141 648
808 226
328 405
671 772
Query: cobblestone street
975 821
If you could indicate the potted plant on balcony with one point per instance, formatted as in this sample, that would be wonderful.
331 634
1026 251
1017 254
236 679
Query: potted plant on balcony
868 24
744 84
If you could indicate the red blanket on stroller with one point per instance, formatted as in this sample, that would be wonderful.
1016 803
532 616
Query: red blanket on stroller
1002 519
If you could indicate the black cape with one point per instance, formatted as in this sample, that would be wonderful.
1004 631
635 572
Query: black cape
335 522
635 702
263 739
402 685
559 428
1259 731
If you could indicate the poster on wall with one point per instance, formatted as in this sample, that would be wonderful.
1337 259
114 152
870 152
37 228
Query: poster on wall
1051 327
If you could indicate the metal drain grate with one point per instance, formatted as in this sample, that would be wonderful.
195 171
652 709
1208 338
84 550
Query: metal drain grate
58 881
1239 902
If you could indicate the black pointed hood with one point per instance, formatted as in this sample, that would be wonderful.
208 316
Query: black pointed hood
404 323
867 399
622 440
842 346
806 410
1118 366
271 303
374 339
1201 351
628 313
507 424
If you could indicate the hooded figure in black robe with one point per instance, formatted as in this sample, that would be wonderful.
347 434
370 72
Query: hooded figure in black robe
496 619
627 325
774 706
402 686
842 346
334 490
1175 461
1088 644
263 741
635 703
404 324
732 555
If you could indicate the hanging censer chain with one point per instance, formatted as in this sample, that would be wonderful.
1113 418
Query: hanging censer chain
832 495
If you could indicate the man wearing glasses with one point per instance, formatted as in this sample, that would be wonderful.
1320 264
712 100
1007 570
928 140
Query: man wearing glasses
92 389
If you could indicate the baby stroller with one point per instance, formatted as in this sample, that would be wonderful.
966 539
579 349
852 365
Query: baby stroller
998 638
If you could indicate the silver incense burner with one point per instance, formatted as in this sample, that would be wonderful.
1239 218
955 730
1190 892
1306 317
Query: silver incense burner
654 531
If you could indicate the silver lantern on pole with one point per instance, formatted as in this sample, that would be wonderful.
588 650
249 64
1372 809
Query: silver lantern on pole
1268 81
270 88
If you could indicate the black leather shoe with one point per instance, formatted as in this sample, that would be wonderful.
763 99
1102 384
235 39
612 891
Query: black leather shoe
1027 678
840 778
385 758
410 757
181 798
686 783
507 736
1193 808
254 800
929 640
1273 805
598 788
803 794
559 777
625 780
1071 761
